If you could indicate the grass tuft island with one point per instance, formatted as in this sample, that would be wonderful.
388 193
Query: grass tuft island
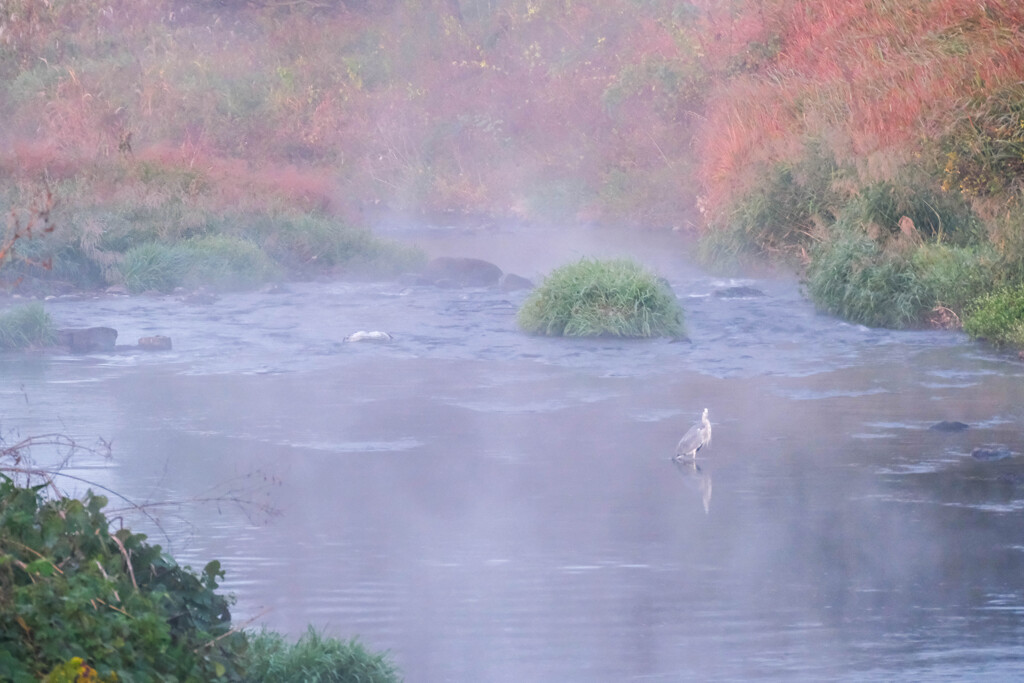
618 298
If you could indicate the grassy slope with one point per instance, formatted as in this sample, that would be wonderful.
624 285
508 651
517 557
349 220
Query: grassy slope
864 115
790 123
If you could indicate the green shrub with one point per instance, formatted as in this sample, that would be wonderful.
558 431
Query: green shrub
315 659
71 588
998 317
594 298
26 327
955 276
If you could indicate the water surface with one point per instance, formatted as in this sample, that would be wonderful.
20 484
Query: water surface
491 506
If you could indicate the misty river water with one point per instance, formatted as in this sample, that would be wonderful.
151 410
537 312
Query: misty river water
491 506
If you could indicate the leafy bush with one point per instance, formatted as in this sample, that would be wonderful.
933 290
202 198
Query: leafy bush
315 659
26 327
593 298
998 317
71 588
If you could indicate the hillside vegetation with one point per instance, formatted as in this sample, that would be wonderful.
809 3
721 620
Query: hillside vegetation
877 144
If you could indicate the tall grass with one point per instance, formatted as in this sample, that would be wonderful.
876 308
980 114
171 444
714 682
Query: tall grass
590 298
891 284
26 327
315 658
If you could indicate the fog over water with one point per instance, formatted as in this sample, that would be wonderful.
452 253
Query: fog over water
491 506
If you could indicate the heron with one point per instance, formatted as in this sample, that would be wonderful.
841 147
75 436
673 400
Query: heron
696 438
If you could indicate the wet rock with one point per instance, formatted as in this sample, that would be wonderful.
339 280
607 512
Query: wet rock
510 282
88 339
413 280
991 453
363 335
949 426
200 298
156 343
741 292
462 272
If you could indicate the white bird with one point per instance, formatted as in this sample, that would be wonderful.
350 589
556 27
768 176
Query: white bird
698 436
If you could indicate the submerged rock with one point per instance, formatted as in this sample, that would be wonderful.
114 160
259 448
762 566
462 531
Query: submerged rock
88 339
740 292
156 343
991 453
452 271
949 426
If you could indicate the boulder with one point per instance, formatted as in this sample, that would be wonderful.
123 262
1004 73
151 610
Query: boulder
88 339
457 271
510 282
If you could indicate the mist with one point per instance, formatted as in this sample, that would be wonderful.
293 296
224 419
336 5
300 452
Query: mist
484 504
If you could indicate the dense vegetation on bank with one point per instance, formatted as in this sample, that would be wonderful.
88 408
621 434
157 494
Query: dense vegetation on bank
877 146
80 601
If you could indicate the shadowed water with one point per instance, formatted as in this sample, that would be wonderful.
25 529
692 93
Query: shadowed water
496 507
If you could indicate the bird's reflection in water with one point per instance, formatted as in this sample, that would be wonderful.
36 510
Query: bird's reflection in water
696 477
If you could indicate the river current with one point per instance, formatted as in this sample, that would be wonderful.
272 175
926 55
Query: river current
491 506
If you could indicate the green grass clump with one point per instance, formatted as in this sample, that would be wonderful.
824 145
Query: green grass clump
998 317
153 266
854 278
883 284
224 262
217 261
26 327
602 298
315 659
303 241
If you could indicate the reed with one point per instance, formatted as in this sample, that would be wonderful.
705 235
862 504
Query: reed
315 658
25 327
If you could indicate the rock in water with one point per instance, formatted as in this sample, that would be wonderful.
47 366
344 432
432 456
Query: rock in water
949 426
991 453
454 271
155 343
88 339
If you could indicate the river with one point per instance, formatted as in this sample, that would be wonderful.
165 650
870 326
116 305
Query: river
491 506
